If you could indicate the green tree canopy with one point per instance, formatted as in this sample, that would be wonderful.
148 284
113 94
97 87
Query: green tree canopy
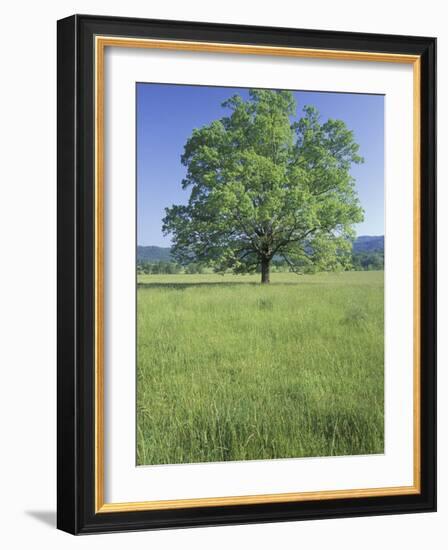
264 184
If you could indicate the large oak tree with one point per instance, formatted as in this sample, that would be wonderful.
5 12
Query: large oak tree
265 184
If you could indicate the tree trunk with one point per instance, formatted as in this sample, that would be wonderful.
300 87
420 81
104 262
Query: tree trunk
265 271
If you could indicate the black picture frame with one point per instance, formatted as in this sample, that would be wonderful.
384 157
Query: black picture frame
76 286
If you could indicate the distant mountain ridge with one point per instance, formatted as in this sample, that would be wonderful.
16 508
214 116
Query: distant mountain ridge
364 243
153 253
368 243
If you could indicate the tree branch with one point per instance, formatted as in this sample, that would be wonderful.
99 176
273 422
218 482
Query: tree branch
290 239
291 265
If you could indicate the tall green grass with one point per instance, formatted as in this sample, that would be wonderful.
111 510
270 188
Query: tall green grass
228 369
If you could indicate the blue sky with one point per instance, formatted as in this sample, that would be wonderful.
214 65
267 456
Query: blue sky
167 114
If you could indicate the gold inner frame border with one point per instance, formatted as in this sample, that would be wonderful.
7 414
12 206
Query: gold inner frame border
100 44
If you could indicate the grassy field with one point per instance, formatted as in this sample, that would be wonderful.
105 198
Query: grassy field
228 369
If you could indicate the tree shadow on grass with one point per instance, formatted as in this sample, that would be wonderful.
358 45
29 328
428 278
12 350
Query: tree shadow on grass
183 286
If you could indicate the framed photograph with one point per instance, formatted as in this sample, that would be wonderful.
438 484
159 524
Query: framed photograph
246 274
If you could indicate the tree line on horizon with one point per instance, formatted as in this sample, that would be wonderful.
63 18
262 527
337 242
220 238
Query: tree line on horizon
372 260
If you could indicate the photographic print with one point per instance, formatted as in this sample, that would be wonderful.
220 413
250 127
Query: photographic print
259 274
